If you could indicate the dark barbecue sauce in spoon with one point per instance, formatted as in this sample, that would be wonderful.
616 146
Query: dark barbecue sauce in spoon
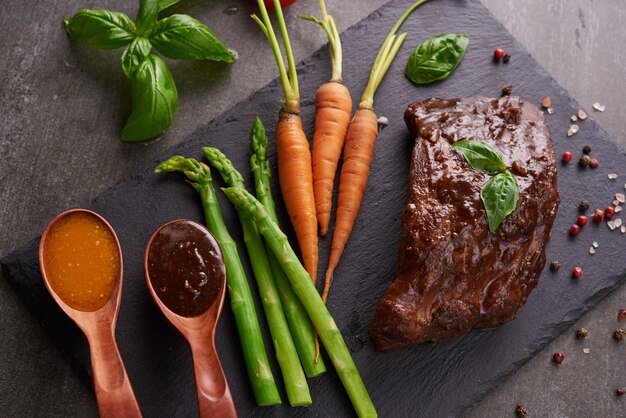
185 268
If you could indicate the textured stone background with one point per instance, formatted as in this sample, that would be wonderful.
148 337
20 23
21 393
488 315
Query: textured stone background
62 106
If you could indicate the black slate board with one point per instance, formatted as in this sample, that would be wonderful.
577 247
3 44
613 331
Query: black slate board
430 380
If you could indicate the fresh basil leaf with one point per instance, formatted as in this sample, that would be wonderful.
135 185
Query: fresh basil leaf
436 58
480 156
101 28
154 100
147 16
135 55
164 4
500 196
183 37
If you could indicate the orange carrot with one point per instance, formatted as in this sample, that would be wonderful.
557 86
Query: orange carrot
359 148
333 106
294 176
294 156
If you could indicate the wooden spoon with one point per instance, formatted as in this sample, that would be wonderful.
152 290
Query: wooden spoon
214 397
113 390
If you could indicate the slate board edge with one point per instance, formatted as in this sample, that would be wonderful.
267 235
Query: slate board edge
591 301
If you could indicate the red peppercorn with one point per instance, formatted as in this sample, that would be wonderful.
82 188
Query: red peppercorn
582 220
609 212
598 216
574 230
621 314
558 357
498 53
577 272
594 163
567 157
620 391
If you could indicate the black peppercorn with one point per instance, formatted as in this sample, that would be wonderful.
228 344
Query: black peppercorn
555 265
620 391
586 150
619 334
507 90
584 161
506 58
584 205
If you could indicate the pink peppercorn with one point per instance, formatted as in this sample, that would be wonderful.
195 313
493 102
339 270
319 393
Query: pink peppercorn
498 53
574 230
567 157
577 272
558 357
609 212
582 220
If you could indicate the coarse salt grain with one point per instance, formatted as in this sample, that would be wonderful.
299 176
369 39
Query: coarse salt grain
611 225
550 111
620 197
615 202
572 130
597 106
623 229
592 251
618 209
617 222
595 244
586 350
612 176
574 118
582 115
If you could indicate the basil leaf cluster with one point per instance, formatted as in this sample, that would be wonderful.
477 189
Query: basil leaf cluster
436 58
501 193
154 93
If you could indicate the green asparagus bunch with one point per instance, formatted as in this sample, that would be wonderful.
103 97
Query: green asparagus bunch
242 305
298 320
286 353
307 293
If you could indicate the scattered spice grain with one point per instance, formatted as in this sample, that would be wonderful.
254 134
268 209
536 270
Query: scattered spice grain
521 411
619 334
555 265
581 333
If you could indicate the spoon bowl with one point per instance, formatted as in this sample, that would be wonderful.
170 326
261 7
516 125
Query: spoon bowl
197 324
114 393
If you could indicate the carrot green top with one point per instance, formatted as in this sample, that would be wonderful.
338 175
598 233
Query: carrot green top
328 24
385 57
288 78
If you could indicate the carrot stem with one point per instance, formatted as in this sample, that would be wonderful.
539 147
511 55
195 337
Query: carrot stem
328 24
386 54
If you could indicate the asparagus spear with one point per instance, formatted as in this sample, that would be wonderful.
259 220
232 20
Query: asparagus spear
310 298
297 317
241 303
286 354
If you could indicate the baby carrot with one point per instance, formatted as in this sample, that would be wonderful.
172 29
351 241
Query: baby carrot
292 147
333 106
359 148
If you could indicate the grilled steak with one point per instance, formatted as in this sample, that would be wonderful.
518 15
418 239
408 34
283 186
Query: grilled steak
453 274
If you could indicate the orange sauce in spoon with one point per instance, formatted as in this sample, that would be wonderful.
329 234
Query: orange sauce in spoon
82 261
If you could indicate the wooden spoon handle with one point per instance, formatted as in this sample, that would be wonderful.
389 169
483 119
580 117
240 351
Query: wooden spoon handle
114 393
214 398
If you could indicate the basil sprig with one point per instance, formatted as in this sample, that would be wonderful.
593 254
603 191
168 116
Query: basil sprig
436 58
501 193
155 97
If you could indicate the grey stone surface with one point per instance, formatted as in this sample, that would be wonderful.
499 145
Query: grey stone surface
63 105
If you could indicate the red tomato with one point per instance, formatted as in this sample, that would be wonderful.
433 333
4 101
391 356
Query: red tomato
283 3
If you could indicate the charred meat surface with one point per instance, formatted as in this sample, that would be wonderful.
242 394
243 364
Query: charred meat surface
453 274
